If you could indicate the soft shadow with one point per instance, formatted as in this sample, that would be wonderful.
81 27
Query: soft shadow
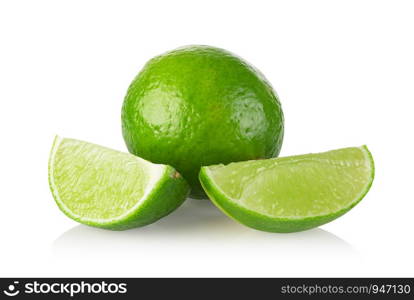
196 226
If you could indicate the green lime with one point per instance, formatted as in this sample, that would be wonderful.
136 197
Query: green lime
105 188
197 106
291 193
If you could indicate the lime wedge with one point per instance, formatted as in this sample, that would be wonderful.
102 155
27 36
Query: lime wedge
105 188
293 193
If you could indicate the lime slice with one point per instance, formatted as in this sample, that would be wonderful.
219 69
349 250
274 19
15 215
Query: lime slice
293 193
105 188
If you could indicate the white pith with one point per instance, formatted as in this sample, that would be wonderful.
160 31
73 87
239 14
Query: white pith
156 173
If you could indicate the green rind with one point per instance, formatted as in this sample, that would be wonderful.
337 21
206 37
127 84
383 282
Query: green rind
168 194
218 104
262 222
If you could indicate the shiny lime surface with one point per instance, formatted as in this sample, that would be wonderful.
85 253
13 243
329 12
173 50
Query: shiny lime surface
197 106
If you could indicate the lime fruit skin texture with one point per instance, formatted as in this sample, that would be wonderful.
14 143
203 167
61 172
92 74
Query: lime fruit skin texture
91 183
286 224
200 105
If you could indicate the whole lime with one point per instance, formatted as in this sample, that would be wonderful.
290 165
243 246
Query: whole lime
197 106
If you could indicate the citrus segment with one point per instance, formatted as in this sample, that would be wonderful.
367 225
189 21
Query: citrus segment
106 188
291 193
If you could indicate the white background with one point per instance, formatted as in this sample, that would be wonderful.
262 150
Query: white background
344 71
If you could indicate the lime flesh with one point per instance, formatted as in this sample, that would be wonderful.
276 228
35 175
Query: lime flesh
200 105
293 193
105 188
